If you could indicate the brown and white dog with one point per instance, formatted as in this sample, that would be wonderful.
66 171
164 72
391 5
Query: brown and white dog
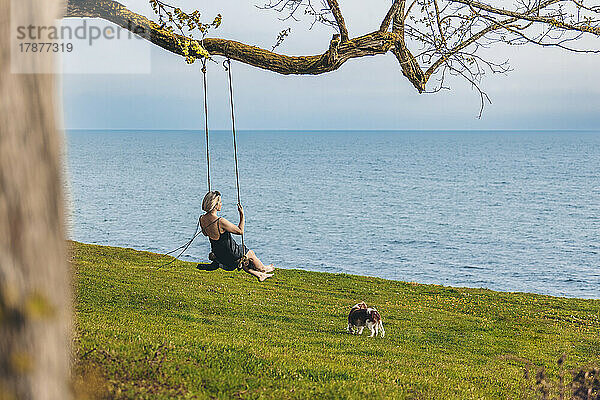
361 316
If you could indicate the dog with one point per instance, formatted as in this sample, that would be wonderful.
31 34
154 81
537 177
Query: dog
361 316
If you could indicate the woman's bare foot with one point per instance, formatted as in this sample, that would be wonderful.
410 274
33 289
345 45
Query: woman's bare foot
262 277
269 268
266 269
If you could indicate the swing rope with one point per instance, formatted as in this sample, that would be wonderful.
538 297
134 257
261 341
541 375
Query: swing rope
206 123
197 231
227 66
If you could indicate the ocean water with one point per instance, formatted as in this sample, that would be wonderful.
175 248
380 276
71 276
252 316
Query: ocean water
510 211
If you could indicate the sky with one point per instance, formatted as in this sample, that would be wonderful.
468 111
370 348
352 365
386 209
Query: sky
131 84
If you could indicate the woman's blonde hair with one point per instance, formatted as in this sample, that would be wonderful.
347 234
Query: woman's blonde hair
211 199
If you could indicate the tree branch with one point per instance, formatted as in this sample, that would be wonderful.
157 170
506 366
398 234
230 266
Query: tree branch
517 31
439 23
408 63
462 45
385 24
339 52
534 18
398 18
459 26
339 19
494 26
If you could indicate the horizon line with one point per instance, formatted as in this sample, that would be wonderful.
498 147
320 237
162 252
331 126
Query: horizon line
340 130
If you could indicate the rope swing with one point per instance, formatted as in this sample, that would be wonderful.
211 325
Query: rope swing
227 66
206 123
183 248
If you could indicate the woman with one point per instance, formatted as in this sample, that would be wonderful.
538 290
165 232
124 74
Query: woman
223 246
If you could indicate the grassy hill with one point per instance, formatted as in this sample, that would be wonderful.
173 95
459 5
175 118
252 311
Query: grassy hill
176 332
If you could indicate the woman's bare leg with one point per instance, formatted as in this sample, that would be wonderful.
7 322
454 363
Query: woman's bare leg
258 265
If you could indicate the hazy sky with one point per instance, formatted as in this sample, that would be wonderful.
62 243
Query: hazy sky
548 89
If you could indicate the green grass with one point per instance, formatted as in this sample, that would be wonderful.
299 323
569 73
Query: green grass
176 332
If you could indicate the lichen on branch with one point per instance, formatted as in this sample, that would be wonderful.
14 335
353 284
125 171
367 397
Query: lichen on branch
172 18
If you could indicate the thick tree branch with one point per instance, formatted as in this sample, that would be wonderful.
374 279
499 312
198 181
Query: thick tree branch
398 18
339 19
385 24
339 52
409 64
465 24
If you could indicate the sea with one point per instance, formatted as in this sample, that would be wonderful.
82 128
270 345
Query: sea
515 211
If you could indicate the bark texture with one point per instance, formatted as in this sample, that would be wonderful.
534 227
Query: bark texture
34 284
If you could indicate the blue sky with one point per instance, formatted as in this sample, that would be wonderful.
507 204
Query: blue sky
547 89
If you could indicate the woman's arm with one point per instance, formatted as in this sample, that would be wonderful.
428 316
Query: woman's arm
229 227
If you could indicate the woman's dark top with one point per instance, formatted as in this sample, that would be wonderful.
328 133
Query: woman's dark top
225 248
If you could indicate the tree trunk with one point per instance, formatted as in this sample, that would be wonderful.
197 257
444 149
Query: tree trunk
34 276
